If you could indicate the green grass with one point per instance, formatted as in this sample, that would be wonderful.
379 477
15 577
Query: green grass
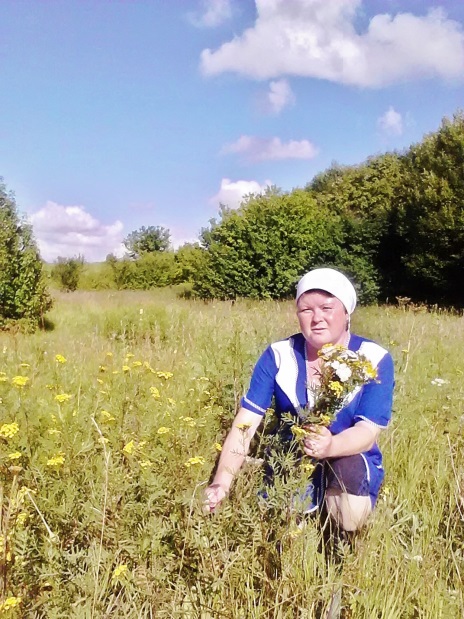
121 493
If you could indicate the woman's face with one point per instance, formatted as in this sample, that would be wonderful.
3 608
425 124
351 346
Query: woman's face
322 317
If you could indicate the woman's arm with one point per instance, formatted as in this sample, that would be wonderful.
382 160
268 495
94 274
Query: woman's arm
323 444
233 454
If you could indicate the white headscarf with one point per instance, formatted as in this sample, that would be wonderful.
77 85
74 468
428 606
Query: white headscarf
331 281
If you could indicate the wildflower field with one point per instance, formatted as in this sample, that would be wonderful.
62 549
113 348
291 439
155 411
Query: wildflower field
111 422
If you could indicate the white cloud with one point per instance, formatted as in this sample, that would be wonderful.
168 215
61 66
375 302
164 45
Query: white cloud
279 96
265 149
318 39
391 123
215 12
232 193
70 230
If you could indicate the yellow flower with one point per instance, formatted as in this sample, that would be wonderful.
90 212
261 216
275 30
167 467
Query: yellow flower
244 426
21 519
130 355
99 381
165 375
218 446
24 365
20 381
189 421
8 430
203 378
57 460
129 448
115 371
54 431
62 397
107 416
336 387
125 368
3 377
119 571
10 602
102 368
195 460
16 455
308 467
136 364
155 392
144 463
299 432
163 430
295 532
171 401
60 358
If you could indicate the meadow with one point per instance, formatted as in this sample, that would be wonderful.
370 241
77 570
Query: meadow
111 422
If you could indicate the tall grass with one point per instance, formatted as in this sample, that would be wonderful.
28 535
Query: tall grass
127 398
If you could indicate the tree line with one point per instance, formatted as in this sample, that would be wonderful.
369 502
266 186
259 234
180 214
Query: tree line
394 223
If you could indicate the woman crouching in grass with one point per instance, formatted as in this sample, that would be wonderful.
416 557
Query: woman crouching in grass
348 472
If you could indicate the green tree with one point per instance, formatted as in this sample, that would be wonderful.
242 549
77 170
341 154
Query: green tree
364 197
427 222
260 249
23 295
147 240
67 272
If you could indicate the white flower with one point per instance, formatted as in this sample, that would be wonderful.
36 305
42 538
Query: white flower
439 382
342 370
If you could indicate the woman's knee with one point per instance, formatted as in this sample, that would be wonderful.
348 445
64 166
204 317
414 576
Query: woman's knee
349 511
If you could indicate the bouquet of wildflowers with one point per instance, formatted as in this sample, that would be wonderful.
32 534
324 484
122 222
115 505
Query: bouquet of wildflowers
341 372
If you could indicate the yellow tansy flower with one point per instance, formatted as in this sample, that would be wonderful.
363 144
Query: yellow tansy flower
129 447
60 358
57 460
10 602
163 430
107 416
218 446
165 375
244 426
125 368
8 430
16 455
155 392
119 571
20 381
195 460
62 397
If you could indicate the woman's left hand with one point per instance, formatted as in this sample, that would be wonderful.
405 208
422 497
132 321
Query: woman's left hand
318 443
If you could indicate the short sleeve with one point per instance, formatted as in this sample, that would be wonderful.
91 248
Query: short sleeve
259 396
377 396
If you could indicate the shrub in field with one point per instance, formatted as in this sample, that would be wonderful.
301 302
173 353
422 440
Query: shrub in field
151 270
67 272
260 249
23 295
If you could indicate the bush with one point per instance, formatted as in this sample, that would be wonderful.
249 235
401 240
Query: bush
67 272
23 294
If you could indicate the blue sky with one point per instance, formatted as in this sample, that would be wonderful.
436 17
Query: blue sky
120 113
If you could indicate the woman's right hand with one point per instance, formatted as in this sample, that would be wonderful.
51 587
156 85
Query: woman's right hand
214 494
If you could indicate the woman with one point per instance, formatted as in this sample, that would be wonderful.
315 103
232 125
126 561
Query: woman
286 371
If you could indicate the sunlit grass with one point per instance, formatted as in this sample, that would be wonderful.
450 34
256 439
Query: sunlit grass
120 407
